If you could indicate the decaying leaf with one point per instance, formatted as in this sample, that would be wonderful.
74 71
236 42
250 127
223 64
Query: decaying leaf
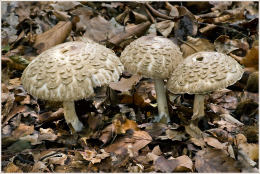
165 27
214 143
22 130
225 45
93 156
214 160
179 164
137 140
12 168
52 37
122 124
99 29
125 84
193 45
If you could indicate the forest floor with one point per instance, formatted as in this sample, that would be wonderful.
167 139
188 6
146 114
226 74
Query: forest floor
120 134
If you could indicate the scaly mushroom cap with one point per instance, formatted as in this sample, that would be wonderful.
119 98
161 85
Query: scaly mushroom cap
204 72
151 56
70 71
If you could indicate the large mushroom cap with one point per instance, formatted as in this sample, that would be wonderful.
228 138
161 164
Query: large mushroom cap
204 72
70 71
151 56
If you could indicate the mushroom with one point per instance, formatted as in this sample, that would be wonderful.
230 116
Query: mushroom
153 57
202 73
69 72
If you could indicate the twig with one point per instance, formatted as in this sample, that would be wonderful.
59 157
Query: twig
137 30
156 13
149 15
188 44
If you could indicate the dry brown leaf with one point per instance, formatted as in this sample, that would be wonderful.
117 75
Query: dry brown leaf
252 58
40 166
93 156
122 124
107 133
252 150
12 168
14 111
51 116
187 23
184 164
214 143
52 37
165 27
47 134
214 160
99 29
22 130
221 135
125 84
65 5
220 5
156 150
137 140
193 45
198 142
225 45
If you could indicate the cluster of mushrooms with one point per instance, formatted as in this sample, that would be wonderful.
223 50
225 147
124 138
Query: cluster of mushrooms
70 71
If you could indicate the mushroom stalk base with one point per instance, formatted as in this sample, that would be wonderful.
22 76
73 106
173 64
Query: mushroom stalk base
161 102
71 116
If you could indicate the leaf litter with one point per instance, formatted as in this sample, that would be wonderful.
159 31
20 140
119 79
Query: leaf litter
121 136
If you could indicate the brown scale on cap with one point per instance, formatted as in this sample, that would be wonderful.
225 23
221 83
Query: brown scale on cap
70 71
204 72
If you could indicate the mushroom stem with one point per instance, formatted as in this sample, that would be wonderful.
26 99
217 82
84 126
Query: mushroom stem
161 102
198 107
71 116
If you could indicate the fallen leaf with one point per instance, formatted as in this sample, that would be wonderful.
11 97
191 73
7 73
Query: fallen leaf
225 45
137 140
12 168
40 166
107 133
213 142
93 156
65 5
221 135
47 134
99 29
122 124
215 160
252 57
193 45
51 116
186 25
165 27
125 84
184 164
164 165
22 130
52 37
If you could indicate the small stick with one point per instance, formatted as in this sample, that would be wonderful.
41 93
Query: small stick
156 13
150 16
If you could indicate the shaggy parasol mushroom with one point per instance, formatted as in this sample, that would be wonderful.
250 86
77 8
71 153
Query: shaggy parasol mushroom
69 72
202 73
153 57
